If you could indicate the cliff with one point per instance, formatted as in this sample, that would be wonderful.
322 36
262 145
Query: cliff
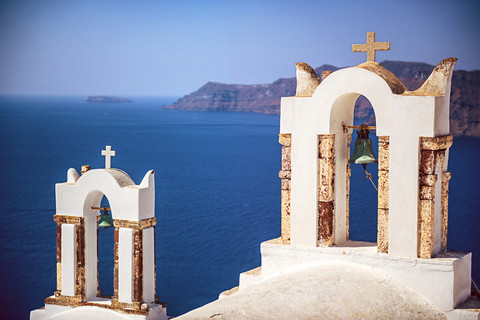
106 99
265 98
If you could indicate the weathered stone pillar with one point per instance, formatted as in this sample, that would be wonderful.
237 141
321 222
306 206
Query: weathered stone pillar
135 265
80 274
383 177
326 172
432 152
77 261
285 174
59 257
99 291
115 264
446 176
347 193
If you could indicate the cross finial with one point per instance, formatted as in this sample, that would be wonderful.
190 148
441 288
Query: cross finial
371 46
108 153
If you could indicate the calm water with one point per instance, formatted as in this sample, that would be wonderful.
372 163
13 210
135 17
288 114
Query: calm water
217 192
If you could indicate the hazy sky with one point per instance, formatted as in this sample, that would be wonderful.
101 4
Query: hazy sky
174 47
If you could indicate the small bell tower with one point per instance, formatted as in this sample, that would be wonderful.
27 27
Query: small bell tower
77 217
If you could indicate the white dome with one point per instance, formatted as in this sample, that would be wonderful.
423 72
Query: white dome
322 291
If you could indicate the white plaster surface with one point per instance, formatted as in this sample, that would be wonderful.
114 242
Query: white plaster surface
72 175
321 291
404 118
91 256
54 312
125 265
459 314
68 259
444 281
437 235
303 212
148 265
250 277
127 200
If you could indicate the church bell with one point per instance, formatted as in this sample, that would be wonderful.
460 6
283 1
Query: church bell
105 219
363 152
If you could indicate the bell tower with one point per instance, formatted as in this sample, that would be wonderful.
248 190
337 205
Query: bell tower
77 217
413 180
413 130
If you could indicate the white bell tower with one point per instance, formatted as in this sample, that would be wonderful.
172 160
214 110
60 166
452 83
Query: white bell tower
133 213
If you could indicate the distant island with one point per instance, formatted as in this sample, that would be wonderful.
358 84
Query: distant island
265 98
106 99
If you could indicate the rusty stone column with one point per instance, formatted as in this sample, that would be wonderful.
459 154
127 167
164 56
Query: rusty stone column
79 223
138 266
137 276
383 188
285 174
99 291
115 264
59 258
347 191
156 299
326 173
446 176
432 151
80 272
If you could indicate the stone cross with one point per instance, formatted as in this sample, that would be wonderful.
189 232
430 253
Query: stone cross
108 153
371 46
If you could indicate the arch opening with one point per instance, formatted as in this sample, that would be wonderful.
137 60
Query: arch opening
363 198
99 247
105 256
361 213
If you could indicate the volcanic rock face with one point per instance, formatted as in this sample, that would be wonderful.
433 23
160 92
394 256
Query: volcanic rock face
265 98
465 103
214 96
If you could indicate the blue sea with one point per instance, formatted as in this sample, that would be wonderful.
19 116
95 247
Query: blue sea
217 192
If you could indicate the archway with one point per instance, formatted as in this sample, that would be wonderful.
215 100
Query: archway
105 255
342 119
363 197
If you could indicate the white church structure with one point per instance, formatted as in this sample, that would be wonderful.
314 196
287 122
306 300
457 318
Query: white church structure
313 271
77 216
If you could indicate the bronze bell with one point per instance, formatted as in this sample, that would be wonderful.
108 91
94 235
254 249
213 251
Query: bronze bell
363 152
105 219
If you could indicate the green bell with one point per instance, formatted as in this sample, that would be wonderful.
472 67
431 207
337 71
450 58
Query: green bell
363 152
105 219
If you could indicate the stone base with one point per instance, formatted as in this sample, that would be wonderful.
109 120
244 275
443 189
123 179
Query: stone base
443 280
100 308
227 293
250 277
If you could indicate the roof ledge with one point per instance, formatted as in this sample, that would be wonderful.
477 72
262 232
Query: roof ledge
436 84
393 82
307 80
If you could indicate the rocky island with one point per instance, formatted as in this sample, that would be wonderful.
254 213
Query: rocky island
106 99
265 98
